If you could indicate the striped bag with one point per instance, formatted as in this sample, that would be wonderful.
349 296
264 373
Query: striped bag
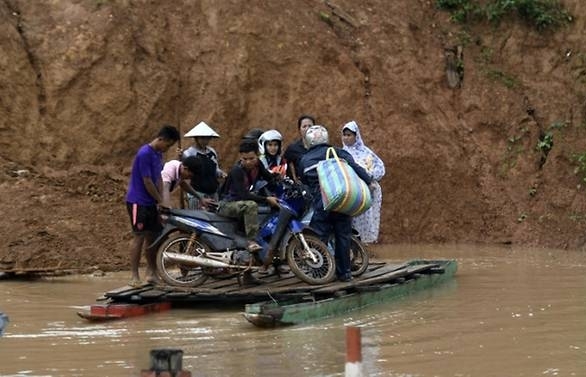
342 190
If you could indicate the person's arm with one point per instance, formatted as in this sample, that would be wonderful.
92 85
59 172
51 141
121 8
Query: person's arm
241 192
301 162
293 173
357 168
188 188
220 173
152 189
289 155
267 175
166 198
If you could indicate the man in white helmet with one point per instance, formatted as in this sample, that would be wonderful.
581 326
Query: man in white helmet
325 222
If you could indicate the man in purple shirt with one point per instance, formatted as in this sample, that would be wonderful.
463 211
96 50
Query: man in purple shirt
142 198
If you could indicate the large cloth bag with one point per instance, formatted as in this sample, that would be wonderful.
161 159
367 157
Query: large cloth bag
342 190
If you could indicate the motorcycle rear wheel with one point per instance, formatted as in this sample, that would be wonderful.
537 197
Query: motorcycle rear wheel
359 258
321 272
174 273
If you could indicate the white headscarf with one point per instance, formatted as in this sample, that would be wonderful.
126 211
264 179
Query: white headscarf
363 155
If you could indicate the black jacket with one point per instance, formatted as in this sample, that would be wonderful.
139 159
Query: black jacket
240 183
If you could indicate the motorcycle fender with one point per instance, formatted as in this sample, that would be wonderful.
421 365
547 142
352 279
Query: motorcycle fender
165 233
296 226
302 228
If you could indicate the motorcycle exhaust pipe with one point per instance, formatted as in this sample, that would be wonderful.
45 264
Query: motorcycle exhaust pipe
197 261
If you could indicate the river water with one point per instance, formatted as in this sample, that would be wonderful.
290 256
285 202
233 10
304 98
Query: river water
507 312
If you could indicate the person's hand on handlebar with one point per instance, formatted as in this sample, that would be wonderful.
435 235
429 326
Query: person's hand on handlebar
163 208
208 203
273 201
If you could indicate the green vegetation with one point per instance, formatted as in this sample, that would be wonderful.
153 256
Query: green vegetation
508 80
541 14
326 18
494 74
577 217
100 3
545 143
514 149
464 38
558 125
515 138
580 161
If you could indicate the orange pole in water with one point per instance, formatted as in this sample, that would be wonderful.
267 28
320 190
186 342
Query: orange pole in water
353 352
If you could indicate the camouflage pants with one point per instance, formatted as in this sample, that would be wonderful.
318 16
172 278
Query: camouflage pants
242 209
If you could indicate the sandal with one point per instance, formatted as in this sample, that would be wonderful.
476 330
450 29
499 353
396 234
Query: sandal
254 247
135 283
264 270
153 280
283 269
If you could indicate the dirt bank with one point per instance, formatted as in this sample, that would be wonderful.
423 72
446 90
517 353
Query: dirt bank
495 159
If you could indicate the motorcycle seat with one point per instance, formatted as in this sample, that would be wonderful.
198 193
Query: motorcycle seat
210 217
213 217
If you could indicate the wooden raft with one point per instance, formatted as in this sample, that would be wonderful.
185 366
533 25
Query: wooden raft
286 286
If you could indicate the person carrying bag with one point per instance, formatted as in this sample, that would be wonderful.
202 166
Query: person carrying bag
326 222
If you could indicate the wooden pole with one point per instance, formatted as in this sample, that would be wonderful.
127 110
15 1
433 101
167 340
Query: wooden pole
353 352
178 120
3 322
166 362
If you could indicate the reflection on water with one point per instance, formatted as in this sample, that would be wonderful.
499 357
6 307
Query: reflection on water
508 312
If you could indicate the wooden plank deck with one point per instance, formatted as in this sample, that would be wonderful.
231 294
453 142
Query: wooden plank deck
386 284
286 286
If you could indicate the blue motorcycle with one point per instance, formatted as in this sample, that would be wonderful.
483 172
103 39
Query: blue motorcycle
196 245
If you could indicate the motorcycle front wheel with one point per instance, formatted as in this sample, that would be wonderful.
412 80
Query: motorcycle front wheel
322 270
174 273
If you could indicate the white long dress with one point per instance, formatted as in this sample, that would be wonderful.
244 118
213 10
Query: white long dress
368 223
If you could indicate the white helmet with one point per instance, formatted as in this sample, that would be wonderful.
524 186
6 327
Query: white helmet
270 135
316 135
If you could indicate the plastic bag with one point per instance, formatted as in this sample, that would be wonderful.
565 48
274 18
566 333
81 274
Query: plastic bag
342 190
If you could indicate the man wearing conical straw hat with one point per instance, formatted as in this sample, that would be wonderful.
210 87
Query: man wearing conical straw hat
206 180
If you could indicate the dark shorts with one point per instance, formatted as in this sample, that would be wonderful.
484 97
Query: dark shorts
144 218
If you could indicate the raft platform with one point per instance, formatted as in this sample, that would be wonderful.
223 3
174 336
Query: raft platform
273 302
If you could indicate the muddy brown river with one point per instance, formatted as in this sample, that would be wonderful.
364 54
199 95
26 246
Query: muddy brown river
507 312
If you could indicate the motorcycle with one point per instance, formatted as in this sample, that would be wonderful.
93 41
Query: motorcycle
195 245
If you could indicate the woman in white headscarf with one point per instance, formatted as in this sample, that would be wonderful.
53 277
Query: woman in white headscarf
368 223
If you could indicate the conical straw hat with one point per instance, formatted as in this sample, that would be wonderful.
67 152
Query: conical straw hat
202 129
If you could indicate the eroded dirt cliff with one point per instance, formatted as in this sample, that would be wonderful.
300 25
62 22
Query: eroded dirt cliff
84 83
